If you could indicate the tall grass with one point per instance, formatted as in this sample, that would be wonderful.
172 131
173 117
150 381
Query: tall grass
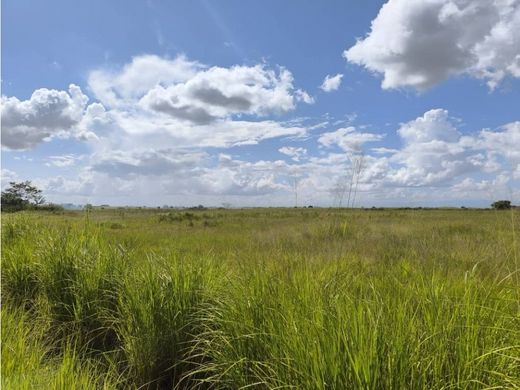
350 326
28 361
307 299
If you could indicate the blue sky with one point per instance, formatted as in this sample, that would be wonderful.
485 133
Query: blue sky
225 102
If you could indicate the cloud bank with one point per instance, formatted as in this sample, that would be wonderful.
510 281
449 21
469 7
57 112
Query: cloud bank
174 131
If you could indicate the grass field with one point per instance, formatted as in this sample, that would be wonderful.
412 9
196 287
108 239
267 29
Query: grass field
261 298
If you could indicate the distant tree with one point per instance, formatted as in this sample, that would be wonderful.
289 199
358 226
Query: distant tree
11 202
20 196
501 205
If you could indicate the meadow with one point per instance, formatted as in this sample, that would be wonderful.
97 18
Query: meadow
261 298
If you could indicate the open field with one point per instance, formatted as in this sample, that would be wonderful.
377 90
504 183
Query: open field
261 298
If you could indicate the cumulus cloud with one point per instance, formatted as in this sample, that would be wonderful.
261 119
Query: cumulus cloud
348 138
421 43
436 153
222 92
331 83
433 151
188 104
158 102
116 86
191 92
46 114
504 142
434 125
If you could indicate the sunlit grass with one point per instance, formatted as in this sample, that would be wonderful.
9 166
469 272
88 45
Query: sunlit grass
267 298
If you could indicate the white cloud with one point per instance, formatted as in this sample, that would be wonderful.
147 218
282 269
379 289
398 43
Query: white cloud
124 164
177 173
115 87
295 153
504 143
221 92
348 138
383 150
134 131
435 162
155 102
152 133
419 43
435 153
7 177
63 161
303 96
244 181
331 83
468 187
187 104
191 92
434 125
47 113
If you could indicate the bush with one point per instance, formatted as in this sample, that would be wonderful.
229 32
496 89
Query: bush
50 207
501 205
178 217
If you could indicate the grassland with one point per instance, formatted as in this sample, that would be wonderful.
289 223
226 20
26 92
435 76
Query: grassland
261 298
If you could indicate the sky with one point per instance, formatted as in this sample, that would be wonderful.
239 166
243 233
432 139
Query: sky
263 103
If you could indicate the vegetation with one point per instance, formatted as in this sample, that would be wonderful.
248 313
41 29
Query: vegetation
261 298
501 205
23 196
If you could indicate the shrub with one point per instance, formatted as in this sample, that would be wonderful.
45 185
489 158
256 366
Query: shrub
501 205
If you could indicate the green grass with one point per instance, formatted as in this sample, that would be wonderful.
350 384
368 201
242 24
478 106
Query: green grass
261 298
29 362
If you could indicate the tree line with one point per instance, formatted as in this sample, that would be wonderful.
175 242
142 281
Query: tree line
25 196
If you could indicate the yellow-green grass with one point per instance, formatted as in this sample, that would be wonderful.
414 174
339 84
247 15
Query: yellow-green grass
261 298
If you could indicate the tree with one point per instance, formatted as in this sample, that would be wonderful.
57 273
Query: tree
20 196
501 205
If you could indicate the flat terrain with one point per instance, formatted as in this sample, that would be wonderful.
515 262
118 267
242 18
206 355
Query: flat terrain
261 298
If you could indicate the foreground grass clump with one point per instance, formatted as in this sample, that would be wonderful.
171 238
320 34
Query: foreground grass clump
28 362
267 298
